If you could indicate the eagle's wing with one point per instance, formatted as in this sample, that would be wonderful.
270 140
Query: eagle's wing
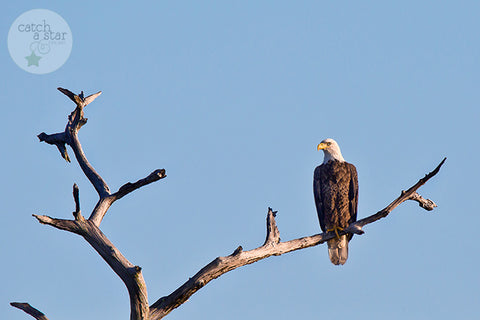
353 193
317 193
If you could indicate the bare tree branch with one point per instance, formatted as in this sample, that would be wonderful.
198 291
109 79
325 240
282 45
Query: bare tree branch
101 209
130 187
91 97
68 93
29 309
62 224
97 181
103 205
70 136
273 235
272 247
75 121
79 100
426 204
131 274
76 197
89 229
57 139
410 194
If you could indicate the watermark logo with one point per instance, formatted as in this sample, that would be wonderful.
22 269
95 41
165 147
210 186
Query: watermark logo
39 41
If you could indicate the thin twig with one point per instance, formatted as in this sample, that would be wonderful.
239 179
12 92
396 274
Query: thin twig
104 203
62 224
130 187
76 197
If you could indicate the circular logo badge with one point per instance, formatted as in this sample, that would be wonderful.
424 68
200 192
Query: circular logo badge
39 41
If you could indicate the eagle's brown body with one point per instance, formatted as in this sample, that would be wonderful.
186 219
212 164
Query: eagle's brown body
335 187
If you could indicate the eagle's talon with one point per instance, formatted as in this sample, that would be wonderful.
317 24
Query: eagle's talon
335 229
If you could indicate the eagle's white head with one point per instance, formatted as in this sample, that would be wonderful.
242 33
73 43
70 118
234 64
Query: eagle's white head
331 150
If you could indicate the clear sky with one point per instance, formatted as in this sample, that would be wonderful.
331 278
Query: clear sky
232 99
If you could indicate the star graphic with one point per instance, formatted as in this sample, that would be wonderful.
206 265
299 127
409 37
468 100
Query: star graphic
33 59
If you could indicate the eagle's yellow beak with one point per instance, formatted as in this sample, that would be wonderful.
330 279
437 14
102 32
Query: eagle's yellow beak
321 146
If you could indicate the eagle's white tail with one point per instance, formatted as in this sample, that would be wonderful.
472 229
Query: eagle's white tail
338 250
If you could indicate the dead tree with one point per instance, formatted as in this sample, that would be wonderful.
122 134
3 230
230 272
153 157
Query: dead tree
130 274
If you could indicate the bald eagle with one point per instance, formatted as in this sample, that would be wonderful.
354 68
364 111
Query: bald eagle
335 188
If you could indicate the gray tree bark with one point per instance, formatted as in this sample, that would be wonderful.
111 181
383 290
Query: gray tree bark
130 274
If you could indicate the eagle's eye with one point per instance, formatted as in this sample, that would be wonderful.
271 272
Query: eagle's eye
329 143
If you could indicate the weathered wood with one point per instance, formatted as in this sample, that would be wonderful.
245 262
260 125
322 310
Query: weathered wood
58 139
79 100
273 235
273 247
29 309
76 197
69 136
103 205
62 224
89 229
410 194
131 274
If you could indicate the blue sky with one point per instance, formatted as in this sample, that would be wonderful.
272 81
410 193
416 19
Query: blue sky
232 99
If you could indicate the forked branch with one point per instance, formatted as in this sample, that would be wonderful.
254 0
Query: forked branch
131 274
273 247
89 229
